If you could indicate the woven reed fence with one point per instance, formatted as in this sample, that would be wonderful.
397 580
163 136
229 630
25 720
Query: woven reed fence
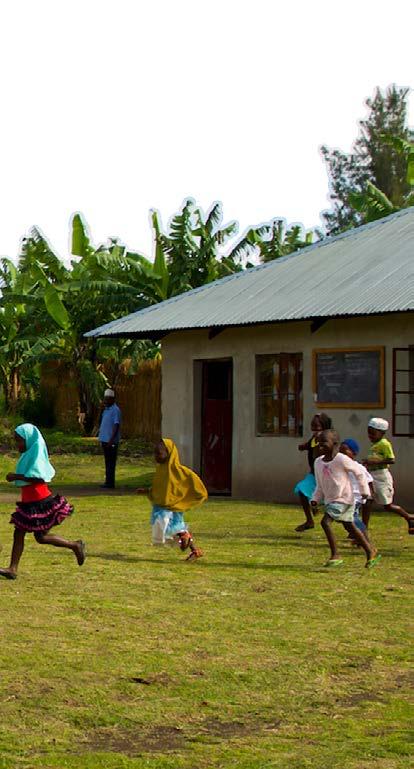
59 386
138 396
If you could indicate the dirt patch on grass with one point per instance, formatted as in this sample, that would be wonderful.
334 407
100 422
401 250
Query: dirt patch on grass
405 679
134 742
164 739
358 697
401 681
224 729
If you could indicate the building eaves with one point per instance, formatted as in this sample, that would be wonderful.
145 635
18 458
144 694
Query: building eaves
367 270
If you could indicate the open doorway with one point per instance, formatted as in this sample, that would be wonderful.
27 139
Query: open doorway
217 425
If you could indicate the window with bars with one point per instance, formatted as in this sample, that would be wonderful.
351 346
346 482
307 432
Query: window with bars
403 391
279 406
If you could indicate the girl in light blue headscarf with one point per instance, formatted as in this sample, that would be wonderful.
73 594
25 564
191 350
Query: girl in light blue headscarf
34 462
38 510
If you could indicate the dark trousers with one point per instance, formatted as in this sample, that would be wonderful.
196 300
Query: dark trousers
110 453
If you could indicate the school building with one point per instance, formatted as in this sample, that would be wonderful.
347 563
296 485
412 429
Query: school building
247 360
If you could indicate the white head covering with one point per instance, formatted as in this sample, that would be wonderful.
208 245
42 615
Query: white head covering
109 393
378 424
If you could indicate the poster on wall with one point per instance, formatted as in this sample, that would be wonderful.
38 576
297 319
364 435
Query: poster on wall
349 378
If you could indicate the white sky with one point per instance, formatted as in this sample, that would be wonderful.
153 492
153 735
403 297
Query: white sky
113 108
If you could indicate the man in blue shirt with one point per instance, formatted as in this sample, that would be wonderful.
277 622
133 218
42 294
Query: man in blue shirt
109 436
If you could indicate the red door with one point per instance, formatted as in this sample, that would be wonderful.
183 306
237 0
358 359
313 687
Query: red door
217 426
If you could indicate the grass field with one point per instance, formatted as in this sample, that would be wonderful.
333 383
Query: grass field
253 657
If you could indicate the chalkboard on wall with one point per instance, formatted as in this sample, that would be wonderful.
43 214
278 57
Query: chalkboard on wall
349 378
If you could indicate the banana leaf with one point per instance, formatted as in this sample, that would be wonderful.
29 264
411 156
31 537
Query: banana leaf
55 307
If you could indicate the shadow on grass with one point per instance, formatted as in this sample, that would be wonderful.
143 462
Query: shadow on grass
121 557
93 490
75 490
279 540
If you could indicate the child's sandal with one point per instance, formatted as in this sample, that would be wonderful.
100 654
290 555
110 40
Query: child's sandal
184 539
196 553
373 561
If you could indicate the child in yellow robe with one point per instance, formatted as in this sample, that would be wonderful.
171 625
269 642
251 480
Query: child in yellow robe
175 490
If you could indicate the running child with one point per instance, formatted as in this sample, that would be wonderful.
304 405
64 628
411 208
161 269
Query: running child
38 510
380 457
305 488
333 485
175 489
350 447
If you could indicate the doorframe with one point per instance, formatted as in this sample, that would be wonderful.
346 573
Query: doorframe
198 396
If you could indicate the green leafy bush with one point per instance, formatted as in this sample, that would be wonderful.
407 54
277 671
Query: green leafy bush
39 411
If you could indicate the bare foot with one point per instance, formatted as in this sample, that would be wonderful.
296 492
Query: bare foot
8 574
305 526
80 552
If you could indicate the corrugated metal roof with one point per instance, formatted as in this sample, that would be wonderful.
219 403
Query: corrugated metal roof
365 271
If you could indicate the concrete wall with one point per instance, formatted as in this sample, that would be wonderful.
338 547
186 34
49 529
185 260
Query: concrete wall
268 467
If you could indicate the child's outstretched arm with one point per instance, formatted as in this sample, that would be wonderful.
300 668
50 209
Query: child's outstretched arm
317 495
372 462
11 477
360 474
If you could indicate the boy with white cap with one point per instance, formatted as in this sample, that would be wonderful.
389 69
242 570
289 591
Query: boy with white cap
109 435
380 456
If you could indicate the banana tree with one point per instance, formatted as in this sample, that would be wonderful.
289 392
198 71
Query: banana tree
102 284
372 202
190 252
283 240
23 316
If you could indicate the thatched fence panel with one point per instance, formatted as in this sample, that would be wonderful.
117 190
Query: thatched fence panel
59 386
138 396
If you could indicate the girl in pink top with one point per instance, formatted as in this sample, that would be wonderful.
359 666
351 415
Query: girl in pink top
333 486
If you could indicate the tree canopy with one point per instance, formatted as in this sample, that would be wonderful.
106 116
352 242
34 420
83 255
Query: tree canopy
374 159
46 307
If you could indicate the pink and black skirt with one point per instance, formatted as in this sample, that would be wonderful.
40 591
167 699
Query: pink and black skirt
41 515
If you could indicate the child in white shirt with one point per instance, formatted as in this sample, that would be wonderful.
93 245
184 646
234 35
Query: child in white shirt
333 485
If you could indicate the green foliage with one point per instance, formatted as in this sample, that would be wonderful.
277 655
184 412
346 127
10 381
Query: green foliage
46 308
188 254
55 306
93 381
374 159
81 245
23 313
372 202
160 267
39 410
406 150
283 240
